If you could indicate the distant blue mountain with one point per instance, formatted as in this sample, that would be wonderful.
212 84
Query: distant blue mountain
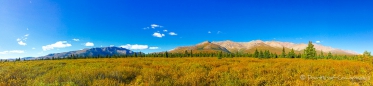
102 51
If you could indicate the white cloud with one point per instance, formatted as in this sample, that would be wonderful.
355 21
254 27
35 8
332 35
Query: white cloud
173 33
164 30
209 32
21 40
135 47
159 35
33 48
27 28
76 40
12 51
153 48
89 44
111 45
154 26
21 43
59 44
318 41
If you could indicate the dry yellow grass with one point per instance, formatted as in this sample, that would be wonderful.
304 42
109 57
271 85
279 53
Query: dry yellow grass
186 71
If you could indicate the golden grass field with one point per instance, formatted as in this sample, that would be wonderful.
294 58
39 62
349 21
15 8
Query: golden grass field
186 71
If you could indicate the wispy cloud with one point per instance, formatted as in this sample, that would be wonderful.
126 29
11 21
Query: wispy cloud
21 40
157 34
59 44
146 28
164 30
21 43
135 47
318 41
12 51
155 26
172 33
209 32
33 48
153 48
89 44
218 32
111 45
76 39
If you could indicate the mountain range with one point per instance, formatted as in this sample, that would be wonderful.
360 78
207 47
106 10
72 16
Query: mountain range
102 51
250 47
208 47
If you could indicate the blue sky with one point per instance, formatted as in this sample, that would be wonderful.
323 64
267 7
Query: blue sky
40 27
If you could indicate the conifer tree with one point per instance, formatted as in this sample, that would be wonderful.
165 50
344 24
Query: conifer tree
330 55
322 55
191 53
261 54
166 54
283 55
267 54
299 55
186 53
291 54
366 54
310 51
220 55
256 53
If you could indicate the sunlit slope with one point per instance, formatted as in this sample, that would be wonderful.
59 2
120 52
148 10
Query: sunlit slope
204 47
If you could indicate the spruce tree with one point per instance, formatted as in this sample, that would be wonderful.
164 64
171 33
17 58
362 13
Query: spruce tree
261 54
322 54
166 54
219 55
256 53
283 55
291 54
186 53
310 51
366 54
191 53
330 55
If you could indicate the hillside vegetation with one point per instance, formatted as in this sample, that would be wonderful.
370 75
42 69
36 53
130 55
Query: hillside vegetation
194 71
